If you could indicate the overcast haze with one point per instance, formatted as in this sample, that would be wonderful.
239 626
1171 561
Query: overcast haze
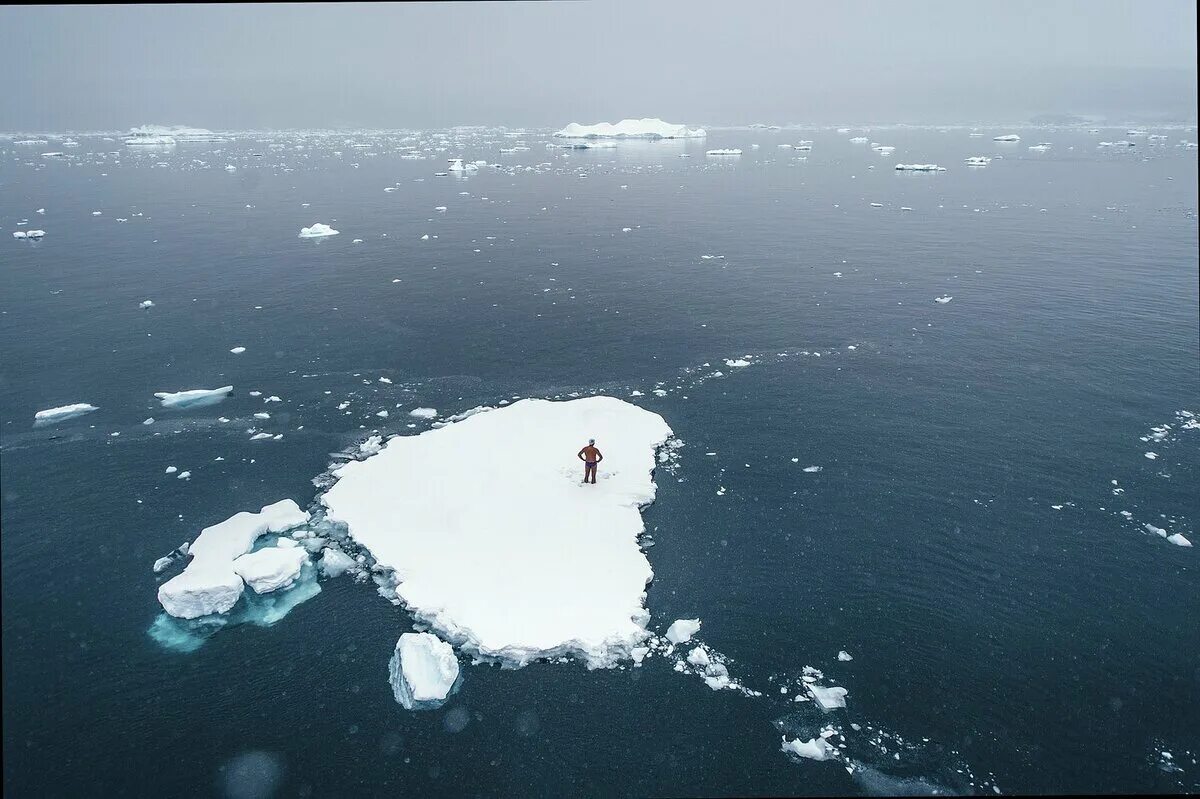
538 64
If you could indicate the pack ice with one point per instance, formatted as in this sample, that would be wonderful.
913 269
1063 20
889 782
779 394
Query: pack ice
213 580
648 128
494 541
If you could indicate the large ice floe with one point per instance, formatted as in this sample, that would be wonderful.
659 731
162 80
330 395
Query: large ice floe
213 580
423 671
528 562
649 128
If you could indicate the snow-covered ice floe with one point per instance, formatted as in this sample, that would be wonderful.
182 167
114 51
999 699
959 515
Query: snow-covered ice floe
648 128
423 671
318 230
28 234
62 413
814 749
502 568
193 398
211 582
919 168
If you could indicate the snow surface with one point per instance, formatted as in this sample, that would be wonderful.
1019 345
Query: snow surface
193 398
318 230
210 583
529 563
422 671
648 128
63 412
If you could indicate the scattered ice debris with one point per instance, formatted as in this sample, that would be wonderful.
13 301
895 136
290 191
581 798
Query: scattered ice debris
724 151
919 168
238 350
144 304
943 299
521 595
318 230
423 413
63 412
682 630
193 398
648 128
1007 137
814 749
210 584
423 670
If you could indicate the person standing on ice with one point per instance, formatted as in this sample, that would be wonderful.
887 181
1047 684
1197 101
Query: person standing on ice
590 457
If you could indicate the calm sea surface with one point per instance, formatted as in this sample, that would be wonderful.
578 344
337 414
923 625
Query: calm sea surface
975 539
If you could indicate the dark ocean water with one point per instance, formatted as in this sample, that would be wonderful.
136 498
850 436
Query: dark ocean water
1005 644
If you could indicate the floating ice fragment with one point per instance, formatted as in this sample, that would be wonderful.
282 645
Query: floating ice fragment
919 168
943 299
318 230
1179 540
335 562
146 304
648 128
193 398
682 630
814 749
1156 530
238 350
423 413
828 698
1007 137
812 469
724 151
422 671
63 412
271 568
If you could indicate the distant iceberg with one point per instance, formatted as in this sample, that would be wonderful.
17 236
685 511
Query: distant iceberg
724 151
177 133
919 168
978 160
1007 137
649 128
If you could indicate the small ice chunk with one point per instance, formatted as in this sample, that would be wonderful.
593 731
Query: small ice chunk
423 670
423 413
638 653
271 568
146 304
162 563
814 749
943 299
1179 540
698 657
828 698
1156 530
335 562
813 469
736 362
238 350
318 230
682 630
844 655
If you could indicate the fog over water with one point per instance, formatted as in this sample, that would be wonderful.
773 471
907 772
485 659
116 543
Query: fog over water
541 64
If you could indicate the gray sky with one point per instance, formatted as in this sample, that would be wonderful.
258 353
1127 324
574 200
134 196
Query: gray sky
438 64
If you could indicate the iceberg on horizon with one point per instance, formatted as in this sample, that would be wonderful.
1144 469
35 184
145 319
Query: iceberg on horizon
919 168
648 128
504 568
1007 137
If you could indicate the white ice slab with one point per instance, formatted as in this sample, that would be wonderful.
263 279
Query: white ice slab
193 398
210 584
271 568
423 670
682 630
814 749
63 412
318 230
495 542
